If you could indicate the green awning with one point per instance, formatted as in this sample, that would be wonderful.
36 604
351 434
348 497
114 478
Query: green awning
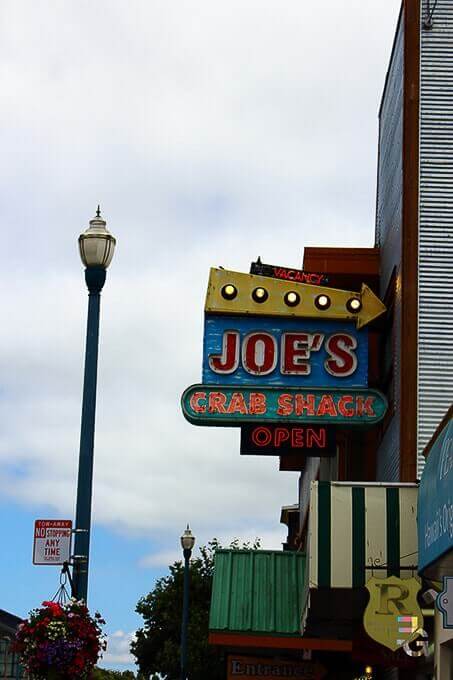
355 526
257 591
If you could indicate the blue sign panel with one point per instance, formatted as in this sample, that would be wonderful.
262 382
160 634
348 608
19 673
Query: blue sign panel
241 350
435 501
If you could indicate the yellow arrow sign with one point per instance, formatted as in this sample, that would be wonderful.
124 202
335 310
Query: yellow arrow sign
238 293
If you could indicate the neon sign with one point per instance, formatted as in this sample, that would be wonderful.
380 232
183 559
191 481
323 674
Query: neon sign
285 352
233 405
246 350
276 440
287 274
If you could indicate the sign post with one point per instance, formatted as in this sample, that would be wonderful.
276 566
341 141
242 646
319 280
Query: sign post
52 541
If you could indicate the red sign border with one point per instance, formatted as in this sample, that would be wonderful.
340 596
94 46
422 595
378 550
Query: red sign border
66 524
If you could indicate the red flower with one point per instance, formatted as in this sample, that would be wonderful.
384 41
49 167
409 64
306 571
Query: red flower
54 607
37 650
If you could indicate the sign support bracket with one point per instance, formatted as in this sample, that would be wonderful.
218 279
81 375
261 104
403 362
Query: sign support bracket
74 560
65 570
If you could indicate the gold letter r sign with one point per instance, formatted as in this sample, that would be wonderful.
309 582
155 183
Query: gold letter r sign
393 614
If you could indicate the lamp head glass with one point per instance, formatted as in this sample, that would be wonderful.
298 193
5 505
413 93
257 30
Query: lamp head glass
187 539
96 244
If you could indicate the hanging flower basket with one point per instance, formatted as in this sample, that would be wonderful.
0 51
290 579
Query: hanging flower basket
60 641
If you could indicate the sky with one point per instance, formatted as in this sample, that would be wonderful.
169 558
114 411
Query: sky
210 132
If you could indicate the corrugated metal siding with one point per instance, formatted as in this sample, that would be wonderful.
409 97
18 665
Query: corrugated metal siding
435 365
390 168
387 466
389 229
257 591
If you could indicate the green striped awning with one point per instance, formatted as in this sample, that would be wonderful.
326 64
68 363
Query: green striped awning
257 591
356 528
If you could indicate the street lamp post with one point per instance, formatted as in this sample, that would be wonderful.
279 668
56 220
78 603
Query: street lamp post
187 543
96 247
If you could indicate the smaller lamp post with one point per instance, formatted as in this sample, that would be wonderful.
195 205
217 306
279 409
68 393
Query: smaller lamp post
187 544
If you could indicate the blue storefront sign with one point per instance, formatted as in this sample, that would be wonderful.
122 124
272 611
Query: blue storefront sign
274 351
435 501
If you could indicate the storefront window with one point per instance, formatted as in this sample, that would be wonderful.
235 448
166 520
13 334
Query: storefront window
9 666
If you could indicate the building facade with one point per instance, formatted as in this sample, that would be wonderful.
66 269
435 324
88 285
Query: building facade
414 231
414 242
10 668
356 518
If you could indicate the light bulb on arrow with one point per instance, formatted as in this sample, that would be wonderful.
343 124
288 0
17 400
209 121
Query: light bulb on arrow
237 293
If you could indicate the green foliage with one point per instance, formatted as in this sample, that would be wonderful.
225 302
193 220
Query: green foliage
104 674
157 645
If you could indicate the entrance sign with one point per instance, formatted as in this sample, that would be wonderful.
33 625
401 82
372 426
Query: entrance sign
287 274
393 616
255 668
435 506
236 293
275 440
241 350
52 541
232 406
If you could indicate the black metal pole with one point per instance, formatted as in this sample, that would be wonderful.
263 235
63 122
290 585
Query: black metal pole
95 279
185 615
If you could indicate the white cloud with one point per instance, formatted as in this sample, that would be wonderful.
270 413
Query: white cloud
160 559
268 540
118 650
153 471
210 135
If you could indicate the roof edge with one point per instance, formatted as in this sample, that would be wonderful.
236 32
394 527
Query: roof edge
262 552
398 22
